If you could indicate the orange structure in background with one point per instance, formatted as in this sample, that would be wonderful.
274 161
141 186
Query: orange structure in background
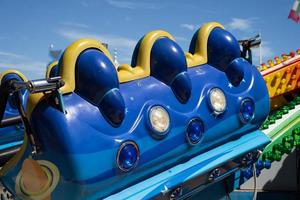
282 76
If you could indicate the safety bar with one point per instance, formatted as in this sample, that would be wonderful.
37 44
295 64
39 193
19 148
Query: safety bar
13 88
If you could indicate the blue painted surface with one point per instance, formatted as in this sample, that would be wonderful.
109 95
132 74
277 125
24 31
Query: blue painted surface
235 72
10 144
83 143
194 167
222 48
54 71
97 82
135 52
168 64
13 135
193 43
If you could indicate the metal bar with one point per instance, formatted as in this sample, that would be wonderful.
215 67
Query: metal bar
11 121
6 154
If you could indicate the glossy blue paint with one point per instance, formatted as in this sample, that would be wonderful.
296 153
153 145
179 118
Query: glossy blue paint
167 60
97 82
11 76
168 64
61 132
234 71
83 142
194 42
135 52
54 71
196 166
112 107
222 48
182 87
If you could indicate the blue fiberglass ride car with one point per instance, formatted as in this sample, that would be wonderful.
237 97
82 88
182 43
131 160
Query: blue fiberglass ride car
140 131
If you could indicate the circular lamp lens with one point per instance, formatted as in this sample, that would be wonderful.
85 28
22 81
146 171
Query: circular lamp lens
217 100
128 156
194 131
159 120
247 110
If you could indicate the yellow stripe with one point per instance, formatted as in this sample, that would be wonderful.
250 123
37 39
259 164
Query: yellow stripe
125 72
67 65
200 55
12 71
67 68
142 69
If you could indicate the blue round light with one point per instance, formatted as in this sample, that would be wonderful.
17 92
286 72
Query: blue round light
128 156
194 131
247 110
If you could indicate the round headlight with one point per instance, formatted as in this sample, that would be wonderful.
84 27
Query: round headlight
159 120
247 110
128 156
194 131
217 100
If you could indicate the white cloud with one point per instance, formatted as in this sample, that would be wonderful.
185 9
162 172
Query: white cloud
123 45
31 68
190 27
9 54
266 52
180 38
76 25
127 18
130 4
112 40
241 24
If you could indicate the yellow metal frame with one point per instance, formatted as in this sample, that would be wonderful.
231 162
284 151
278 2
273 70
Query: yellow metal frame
283 80
200 55
68 62
12 71
67 68
142 69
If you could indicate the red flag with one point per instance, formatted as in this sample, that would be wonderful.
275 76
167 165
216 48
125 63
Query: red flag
295 11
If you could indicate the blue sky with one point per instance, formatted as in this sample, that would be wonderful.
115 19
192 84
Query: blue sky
28 27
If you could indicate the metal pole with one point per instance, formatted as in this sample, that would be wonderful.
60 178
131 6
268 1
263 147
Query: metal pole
260 54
